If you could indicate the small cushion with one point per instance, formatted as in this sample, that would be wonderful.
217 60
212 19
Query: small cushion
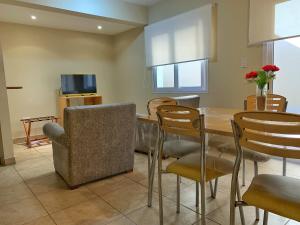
180 147
275 194
189 167
226 145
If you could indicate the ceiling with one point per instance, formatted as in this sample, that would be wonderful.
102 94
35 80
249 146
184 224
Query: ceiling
142 2
21 15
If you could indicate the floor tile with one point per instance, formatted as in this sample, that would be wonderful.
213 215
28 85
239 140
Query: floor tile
46 220
94 212
37 163
188 198
21 212
46 183
54 201
14 193
26 154
137 174
221 215
106 186
128 198
121 221
9 177
45 150
150 216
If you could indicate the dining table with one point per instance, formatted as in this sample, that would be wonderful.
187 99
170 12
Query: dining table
217 121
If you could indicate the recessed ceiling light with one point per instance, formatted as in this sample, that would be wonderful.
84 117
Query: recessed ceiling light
33 17
99 27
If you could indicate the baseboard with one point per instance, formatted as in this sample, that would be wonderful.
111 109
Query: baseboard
7 162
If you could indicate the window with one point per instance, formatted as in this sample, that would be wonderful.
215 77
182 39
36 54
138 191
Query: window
286 57
181 77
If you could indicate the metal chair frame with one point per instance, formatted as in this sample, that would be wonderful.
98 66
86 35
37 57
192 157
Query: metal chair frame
192 132
152 110
238 135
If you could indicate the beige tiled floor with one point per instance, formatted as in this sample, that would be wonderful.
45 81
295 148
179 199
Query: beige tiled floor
31 193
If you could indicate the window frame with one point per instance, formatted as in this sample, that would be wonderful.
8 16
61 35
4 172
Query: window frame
176 88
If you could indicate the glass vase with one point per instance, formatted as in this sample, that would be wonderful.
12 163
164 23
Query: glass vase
261 98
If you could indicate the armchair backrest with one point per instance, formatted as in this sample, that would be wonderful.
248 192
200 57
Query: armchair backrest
99 129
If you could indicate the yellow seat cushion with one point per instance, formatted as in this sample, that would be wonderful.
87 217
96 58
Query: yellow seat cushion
189 167
276 194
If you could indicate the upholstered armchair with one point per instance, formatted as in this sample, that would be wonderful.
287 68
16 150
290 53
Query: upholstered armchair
96 142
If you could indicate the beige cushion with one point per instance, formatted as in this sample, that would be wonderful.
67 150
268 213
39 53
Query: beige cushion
275 194
189 167
179 148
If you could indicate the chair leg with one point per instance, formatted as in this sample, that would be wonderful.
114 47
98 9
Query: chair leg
178 194
216 187
197 194
160 198
203 210
149 165
266 216
232 202
211 189
255 174
238 193
284 167
244 173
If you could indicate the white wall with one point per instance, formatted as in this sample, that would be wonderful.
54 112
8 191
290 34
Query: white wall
6 147
227 87
36 57
133 79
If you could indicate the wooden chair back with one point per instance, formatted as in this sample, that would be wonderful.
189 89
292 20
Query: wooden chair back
180 120
275 103
271 133
154 103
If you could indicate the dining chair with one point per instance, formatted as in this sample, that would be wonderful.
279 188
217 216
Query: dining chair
276 134
276 103
187 122
175 147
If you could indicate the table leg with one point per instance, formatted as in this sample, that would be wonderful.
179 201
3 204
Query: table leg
152 170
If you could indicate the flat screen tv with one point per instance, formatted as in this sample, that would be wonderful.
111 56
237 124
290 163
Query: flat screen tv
78 84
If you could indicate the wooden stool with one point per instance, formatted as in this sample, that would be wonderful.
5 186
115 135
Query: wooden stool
27 127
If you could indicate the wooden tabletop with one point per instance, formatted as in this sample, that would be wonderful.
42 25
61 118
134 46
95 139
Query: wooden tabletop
217 120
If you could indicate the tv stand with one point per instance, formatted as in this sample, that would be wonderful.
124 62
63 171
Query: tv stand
66 101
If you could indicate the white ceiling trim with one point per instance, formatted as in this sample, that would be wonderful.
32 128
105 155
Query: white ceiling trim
143 2
49 19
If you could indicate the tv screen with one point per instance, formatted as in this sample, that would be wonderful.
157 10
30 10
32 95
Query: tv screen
78 84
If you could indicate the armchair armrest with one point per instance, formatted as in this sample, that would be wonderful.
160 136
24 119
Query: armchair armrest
55 132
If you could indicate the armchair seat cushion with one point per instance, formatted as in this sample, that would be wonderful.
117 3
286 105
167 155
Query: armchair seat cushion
275 194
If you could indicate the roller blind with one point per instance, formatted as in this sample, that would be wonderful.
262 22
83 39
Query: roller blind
186 37
273 20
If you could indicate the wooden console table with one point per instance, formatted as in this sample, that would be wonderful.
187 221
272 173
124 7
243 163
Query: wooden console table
65 101
27 127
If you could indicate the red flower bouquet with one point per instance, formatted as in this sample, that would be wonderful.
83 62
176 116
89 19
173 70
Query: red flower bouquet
262 78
